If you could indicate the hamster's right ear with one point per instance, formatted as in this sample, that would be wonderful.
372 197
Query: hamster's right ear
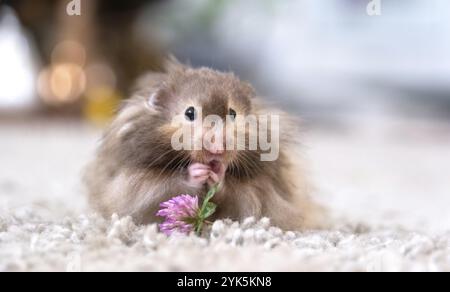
150 88
151 100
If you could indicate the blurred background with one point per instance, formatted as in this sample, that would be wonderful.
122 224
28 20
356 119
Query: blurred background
374 91
320 58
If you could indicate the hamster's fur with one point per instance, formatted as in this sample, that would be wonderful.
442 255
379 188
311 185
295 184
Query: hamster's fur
136 168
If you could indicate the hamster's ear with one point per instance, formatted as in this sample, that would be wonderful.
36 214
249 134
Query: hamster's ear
155 87
150 88
248 90
152 100
156 99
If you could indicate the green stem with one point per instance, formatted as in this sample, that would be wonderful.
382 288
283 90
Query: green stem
200 220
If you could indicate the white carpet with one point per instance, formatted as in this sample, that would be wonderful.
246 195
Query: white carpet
386 183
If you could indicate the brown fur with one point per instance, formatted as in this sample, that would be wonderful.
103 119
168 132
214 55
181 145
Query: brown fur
136 168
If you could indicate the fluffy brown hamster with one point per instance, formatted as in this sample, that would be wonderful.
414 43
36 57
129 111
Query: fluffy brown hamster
137 168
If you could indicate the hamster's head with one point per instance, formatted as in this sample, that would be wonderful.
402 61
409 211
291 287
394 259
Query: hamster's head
188 118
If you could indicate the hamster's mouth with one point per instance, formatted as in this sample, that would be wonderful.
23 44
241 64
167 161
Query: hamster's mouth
216 163
216 166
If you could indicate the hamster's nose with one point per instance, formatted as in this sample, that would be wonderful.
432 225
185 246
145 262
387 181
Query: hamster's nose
213 142
216 149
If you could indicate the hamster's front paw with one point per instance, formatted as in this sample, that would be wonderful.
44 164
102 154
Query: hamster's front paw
198 175
217 173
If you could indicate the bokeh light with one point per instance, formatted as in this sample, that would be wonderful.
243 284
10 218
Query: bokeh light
61 84
101 104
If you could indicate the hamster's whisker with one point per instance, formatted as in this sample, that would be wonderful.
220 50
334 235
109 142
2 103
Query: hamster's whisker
240 159
148 171
174 172
177 156
234 170
148 166
179 166
251 161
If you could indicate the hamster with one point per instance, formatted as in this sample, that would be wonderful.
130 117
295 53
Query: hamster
137 168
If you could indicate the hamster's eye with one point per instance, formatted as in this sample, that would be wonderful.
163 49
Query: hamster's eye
191 114
232 114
